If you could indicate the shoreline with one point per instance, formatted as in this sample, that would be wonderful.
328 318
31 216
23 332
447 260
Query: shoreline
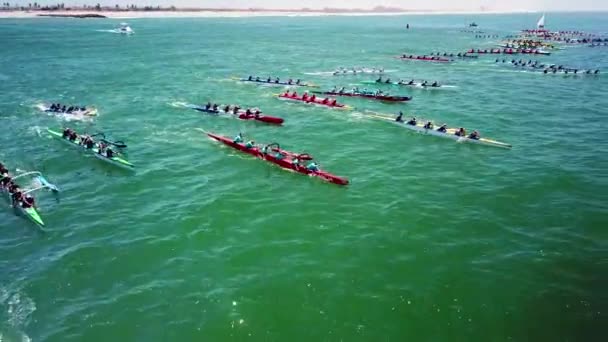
15 14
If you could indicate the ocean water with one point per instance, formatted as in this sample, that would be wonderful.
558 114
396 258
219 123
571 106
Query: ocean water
433 240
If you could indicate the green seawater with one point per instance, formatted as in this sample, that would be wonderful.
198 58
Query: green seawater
433 240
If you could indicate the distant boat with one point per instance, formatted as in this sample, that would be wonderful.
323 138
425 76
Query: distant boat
541 23
124 28
473 24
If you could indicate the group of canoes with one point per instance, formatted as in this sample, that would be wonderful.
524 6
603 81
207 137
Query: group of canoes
483 36
529 43
461 132
510 51
88 143
410 82
14 190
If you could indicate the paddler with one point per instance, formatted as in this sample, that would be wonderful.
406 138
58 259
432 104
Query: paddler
235 110
424 84
238 138
87 142
399 117
435 84
461 132
412 121
276 80
73 136
226 108
295 162
257 79
333 103
298 81
3 170
66 132
294 95
312 167
313 98
250 144
6 180
250 78
208 105
388 81
379 80
474 135
269 79
16 193
27 201
428 125
411 82
290 81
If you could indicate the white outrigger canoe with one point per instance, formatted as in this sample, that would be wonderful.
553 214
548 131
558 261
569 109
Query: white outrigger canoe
30 213
450 133
90 111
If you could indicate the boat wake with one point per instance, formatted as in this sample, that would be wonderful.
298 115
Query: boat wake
179 104
109 31
17 308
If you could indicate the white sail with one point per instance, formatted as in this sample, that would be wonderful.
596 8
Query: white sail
541 22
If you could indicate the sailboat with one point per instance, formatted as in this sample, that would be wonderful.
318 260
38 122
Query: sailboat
540 25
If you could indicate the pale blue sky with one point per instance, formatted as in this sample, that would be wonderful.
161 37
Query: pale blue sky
503 5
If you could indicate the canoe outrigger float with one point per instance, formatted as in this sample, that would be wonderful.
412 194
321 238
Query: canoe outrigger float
114 160
31 213
450 133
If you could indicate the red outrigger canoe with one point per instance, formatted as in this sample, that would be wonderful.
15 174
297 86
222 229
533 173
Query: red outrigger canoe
286 162
317 101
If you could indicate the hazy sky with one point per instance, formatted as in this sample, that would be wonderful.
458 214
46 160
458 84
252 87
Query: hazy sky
503 5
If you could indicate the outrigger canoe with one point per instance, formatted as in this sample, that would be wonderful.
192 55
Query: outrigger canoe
115 160
418 85
31 213
272 153
241 114
450 132
424 58
317 102
388 98
275 83
90 111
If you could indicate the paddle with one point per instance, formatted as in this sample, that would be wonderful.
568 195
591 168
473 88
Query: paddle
119 144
